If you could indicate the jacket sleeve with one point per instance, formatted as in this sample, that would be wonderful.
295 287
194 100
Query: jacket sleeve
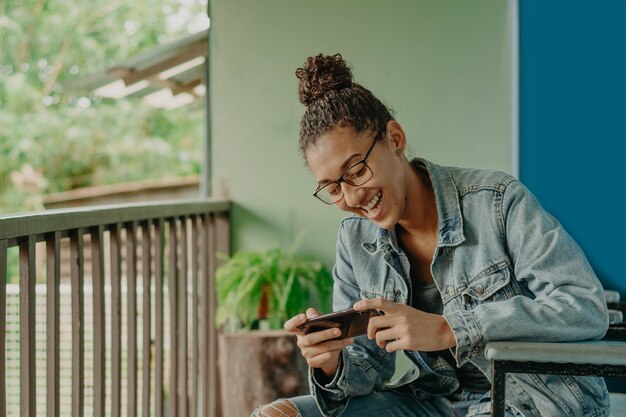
363 366
565 301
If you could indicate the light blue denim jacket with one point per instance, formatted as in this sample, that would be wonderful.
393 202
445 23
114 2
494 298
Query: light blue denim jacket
505 269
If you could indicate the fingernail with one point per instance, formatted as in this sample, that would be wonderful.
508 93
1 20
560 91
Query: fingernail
336 332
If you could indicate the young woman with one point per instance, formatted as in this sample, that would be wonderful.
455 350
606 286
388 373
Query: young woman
455 258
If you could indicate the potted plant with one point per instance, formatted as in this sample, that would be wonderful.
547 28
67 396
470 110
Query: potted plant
257 292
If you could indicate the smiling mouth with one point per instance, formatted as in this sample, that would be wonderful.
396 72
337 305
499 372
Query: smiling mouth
373 204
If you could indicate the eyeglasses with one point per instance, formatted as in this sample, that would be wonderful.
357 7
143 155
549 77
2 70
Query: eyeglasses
357 175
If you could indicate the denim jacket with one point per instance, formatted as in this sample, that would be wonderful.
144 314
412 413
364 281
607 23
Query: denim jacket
505 269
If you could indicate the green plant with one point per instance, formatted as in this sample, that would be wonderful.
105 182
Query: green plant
272 285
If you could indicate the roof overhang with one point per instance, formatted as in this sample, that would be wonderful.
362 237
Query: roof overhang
167 76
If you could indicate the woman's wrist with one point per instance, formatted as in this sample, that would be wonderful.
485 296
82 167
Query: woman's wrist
330 372
325 374
448 339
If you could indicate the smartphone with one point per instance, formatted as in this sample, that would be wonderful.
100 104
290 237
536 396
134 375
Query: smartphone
351 322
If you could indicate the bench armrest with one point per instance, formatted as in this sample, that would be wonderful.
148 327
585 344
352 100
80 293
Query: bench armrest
598 352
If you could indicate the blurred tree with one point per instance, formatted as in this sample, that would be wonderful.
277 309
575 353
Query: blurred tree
53 140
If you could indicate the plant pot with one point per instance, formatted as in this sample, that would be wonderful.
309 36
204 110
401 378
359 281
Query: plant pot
257 367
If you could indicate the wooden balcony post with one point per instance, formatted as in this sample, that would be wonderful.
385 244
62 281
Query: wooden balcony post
53 280
158 337
78 330
116 320
131 318
3 303
182 321
195 371
27 328
146 275
99 339
173 301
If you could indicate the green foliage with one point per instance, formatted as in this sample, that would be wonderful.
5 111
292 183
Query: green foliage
292 283
73 139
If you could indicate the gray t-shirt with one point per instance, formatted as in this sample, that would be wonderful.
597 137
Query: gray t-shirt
426 298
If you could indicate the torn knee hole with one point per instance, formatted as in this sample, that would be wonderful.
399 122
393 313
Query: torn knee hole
279 408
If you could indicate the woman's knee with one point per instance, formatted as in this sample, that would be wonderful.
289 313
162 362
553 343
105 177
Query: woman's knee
279 408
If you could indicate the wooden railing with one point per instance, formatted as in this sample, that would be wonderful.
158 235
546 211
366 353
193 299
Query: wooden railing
166 254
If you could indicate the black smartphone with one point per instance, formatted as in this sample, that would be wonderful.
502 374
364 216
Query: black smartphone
351 322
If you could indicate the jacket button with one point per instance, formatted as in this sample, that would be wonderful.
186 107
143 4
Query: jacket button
480 289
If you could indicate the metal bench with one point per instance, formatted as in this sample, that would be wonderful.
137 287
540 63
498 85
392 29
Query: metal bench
605 357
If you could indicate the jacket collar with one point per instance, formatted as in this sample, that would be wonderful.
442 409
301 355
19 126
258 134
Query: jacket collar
450 221
450 228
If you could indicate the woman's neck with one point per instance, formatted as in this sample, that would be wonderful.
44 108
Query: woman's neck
420 215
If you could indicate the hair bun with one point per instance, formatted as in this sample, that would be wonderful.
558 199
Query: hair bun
321 74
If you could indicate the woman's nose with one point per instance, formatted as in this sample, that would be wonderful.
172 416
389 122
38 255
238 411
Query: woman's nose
351 194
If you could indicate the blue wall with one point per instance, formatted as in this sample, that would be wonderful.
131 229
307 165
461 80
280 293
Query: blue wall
573 122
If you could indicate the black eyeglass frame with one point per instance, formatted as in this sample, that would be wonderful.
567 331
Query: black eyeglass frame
342 179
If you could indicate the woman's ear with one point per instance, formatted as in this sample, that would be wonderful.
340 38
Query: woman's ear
396 137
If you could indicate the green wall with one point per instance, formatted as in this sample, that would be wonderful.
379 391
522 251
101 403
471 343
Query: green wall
442 65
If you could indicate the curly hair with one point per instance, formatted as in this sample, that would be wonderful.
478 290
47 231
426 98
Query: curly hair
332 99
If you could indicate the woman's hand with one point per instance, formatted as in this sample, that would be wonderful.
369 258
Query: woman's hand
317 348
404 327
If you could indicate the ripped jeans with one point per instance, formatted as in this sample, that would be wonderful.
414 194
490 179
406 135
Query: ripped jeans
402 403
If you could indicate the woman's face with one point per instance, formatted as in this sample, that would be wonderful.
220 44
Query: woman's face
382 198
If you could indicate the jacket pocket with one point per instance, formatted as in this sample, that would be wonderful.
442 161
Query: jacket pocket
491 284
395 296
